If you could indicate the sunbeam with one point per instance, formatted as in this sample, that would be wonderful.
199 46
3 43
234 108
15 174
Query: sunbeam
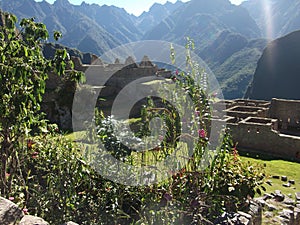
267 10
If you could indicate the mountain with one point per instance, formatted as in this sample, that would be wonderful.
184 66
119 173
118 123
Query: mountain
158 12
203 21
278 70
221 31
275 17
79 30
232 58
114 20
227 37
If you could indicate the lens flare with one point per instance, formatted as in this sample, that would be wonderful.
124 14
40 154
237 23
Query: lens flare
268 11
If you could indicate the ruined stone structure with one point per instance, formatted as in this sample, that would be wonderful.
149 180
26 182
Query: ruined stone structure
58 99
265 127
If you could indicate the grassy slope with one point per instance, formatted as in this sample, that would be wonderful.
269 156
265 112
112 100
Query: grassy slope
280 168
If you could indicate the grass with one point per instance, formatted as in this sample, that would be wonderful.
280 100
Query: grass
279 168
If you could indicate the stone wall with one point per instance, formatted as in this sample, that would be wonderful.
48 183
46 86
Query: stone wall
287 111
259 126
264 138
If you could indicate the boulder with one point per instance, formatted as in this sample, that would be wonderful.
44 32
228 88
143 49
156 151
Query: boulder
9 212
32 220
70 223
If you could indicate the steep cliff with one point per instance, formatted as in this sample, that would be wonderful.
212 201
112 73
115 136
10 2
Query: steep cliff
278 71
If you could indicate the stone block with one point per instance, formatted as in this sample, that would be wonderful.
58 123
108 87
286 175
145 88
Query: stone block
297 195
292 181
278 196
271 207
288 201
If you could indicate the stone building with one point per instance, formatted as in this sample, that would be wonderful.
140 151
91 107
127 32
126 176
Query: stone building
265 127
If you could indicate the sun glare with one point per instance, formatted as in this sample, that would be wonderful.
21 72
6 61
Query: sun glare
267 7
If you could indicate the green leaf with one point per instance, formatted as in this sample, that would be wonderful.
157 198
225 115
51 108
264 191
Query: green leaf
25 51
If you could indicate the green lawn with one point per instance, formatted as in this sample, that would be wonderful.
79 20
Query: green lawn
280 168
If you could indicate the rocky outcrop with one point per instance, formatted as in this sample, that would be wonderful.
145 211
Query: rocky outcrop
279 208
277 72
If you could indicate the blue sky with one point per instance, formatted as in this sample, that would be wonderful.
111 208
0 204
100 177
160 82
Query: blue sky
132 6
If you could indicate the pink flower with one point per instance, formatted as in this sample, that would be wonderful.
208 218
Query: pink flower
197 113
35 155
201 133
25 211
11 198
177 72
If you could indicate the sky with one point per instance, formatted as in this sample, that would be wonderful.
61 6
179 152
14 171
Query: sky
135 7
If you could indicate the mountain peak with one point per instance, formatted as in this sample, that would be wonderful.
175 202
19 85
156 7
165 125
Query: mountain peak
62 3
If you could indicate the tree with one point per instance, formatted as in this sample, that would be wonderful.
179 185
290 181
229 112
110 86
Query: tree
23 72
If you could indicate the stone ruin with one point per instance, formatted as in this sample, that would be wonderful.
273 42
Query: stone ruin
272 128
58 99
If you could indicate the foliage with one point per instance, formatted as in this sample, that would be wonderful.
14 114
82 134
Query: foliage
23 72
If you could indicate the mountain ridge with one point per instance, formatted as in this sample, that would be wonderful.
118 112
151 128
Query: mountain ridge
227 38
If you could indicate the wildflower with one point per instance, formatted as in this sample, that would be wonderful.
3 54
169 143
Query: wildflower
202 133
11 198
25 211
177 72
7 175
197 113
35 155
